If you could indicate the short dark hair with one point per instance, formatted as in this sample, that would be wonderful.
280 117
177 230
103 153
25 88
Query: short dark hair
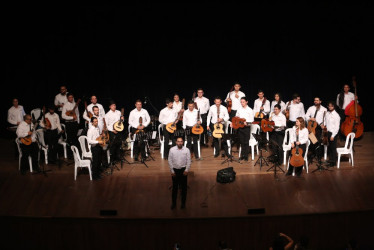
259 91
277 106
179 137
94 107
191 102
69 94
244 98
167 101
93 118
218 97
138 100
296 95
200 89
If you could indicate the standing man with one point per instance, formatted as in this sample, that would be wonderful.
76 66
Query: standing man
332 124
71 122
203 104
280 122
93 134
15 114
167 115
296 109
111 117
235 96
61 99
244 133
179 163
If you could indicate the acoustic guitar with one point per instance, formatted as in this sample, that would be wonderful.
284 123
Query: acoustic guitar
297 159
197 129
89 114
218 127
268 126
118 125
46 121
238 122
286 112
72 112
312 125
261 114
27 140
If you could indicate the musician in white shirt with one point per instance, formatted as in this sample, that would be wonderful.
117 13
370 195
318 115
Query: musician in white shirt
317 110
221 117
89 109
190 119
203 105
15 114
51 132
167 115
280 123
298 136
71 122
177 104
332 123
26 129
111 117
261 105
61 99
235 97
245 133
134 121
296 109
100 118
277 100
344 98
93 134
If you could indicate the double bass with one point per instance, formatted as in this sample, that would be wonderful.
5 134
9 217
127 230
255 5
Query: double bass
352 122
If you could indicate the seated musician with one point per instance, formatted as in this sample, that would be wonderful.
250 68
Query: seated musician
332 123
298 136
25 129
93 138
315 114
221 117
111 117
167 115
90 109
245 133
71 123
280 122
261 105
189 120
235 97
135 114
296 109
52 128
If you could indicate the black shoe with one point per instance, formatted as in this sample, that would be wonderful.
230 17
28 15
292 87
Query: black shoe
288 174
216 155
246 158
173 206
97 177
241 158
23 172
183 206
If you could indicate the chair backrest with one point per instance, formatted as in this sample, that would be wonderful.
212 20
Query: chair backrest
64 128
75 150
287 135
35 113
85 147
40 137
159 133
228 129
307 149
255 129
18 147
128 128
349 141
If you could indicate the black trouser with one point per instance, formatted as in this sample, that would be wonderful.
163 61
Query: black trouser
298 170
194 138
71 132
216 142
278 137
29 150
139 144
331 149
96 159
204 136
290 123
115 146
244 136
51 139
167 137
232 114
179 180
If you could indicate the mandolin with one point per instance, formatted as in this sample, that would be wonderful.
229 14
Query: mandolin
261 114
218 127
172 126
229 103
312 125
140 124
27 140
118 125
197 129
297 159
238 122
89 114
72 112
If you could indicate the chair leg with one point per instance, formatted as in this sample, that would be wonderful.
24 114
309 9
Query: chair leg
240 151
108 156
46 156
338 160
132 149
89 170
353 163
325 152
253 152
198 148
75 173
30 163
284 158
65 152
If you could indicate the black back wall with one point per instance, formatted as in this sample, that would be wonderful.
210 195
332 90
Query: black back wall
129 52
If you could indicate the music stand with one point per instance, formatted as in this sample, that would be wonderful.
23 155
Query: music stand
320 166
230 157
275 157
261 141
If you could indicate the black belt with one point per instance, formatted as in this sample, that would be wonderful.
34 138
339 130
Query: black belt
69 121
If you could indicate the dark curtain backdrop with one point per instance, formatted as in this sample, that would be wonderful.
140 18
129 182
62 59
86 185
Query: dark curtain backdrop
154 50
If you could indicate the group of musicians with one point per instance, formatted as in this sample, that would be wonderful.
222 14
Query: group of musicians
199 111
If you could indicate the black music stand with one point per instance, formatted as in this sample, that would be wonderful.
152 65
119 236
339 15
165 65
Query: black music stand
274 158
230 158
319 153
113 163
261 143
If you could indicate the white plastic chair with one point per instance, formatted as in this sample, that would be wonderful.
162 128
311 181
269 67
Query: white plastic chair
325 152
36 113
132 141
20 156
306 165
161 139
227 128
85 147
198 144
78 162
348 149
62 141
41 142
286 147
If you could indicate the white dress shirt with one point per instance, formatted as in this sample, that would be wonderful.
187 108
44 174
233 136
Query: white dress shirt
61 99
134 118
258 104
235 101
167 115
15 115
312 110
54 119
212 115
273 103
89 108
190 118
179 158
23 129
296 110
303 135
348 98
100 124
246 113
332 122
202 104
112 117
92 134
69 106
279 120
177 106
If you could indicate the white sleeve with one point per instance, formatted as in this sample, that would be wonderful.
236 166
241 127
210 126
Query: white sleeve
147 118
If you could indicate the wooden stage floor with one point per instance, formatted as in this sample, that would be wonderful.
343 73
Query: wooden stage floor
136 191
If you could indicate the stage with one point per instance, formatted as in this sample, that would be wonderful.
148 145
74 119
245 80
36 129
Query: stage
142 194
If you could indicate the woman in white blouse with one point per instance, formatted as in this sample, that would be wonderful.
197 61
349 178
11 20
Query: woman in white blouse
298 136
277 100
